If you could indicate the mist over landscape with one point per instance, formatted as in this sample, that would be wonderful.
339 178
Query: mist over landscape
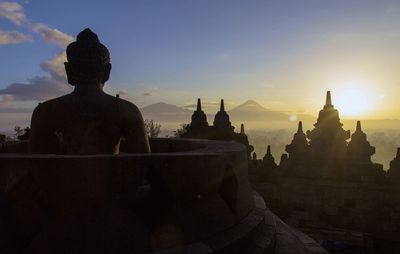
386 141
263 126
276 128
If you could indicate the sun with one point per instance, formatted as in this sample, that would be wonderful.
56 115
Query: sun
352 102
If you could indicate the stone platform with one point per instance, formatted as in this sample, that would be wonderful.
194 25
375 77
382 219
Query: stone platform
188 196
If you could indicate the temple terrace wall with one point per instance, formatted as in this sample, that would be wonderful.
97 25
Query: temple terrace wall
189 196
370 208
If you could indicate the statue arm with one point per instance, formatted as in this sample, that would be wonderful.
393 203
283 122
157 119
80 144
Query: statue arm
136 140
39 140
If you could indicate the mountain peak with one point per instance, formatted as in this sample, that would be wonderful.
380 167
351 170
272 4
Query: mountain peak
253 111
250 101
162 107
250 105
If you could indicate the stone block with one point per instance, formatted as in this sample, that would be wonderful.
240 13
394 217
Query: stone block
331 210
350 203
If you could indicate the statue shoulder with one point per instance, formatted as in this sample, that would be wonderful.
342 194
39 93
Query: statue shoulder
129 110
48 111
52 103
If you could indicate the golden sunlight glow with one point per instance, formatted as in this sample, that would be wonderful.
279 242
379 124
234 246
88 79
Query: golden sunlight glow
353 101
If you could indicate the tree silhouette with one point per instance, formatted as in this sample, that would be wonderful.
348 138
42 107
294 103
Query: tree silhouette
152 129
18 131
182 130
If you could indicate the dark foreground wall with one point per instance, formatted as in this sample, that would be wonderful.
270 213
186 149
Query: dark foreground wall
370 208
185 191
188 196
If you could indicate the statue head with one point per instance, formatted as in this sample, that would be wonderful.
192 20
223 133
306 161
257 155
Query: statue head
88 60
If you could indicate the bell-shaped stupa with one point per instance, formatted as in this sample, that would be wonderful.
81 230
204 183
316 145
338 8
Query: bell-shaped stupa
299 147
328 138
359 149
221 120
268 159
199 118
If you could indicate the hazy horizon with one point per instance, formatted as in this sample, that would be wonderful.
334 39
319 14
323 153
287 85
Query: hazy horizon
170 122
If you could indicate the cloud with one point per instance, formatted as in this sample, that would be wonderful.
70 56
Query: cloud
6 100
38 88
55 66
52 35
204 104
123 94
13 37
16 110
6 105
12 11
41 88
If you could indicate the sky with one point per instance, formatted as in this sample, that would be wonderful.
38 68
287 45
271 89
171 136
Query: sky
283 54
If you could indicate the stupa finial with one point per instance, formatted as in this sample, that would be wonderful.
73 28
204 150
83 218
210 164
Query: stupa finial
300 127
198 104
222 108
358 128
328 101
242 129
268 150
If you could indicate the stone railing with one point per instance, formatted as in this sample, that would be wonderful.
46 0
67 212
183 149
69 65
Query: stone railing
187 196
184 191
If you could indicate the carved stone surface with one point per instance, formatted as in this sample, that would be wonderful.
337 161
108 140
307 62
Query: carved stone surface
185 191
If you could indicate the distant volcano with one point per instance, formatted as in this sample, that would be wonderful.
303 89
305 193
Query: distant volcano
250 105
249 111
162 112
164 108
253 111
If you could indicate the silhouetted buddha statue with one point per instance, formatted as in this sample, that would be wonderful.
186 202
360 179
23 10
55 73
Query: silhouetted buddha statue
87 121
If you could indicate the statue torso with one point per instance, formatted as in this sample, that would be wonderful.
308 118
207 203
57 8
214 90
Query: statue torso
83 125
